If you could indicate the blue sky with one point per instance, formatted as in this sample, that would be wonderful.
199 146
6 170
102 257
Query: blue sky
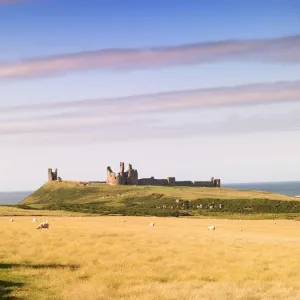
191 89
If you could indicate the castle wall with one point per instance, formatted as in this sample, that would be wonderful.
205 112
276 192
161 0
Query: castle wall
184 183
152 181
170 181
204 183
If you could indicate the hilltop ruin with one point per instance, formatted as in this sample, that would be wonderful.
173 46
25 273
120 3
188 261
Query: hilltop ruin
130 177
52 175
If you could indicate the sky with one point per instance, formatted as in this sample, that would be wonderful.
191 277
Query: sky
184 88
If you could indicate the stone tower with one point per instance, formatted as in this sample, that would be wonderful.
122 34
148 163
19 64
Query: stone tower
217 183
52 175
123 177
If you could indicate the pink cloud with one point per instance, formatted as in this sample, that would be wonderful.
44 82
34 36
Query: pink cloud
251 94
283 50
156 115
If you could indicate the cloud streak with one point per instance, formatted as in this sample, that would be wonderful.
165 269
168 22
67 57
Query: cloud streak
280 50
164 115
130 130
251 94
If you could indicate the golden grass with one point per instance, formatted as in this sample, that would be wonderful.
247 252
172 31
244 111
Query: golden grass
95 258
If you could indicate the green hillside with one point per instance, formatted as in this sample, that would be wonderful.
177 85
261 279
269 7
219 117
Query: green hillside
152 200
12 210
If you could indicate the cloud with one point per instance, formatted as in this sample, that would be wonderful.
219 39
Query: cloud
82 124
165 115
143 130
251 94
279 50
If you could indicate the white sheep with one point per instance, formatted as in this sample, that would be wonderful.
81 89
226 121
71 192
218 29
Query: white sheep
11 220
211 228
151 224
43 225
34 220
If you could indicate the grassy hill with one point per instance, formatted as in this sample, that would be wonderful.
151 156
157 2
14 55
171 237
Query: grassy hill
11 210
161 201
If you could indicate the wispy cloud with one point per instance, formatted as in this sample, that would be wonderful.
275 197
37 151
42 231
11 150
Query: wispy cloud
143 130
280 50
251 94
174 114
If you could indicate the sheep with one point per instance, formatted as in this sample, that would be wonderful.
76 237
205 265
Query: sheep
34 220
43 225
151 224
211 228
11 220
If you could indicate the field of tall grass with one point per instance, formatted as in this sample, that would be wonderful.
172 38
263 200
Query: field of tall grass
82 258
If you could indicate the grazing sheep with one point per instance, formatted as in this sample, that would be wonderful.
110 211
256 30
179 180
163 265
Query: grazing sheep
43 225
34 220
211 228
151 224
11 220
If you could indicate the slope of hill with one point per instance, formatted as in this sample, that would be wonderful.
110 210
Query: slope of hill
161 201
13 211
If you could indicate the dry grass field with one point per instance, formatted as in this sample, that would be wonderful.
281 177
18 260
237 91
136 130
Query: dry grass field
82 258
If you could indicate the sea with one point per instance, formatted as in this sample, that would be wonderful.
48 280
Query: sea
13 197
289 188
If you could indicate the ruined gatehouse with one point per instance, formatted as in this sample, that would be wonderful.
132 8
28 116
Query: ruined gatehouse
130 177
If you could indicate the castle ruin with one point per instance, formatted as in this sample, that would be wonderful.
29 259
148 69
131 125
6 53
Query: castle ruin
52 175
131 178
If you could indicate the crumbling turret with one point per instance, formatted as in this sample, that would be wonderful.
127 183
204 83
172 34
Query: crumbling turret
129 177
52 175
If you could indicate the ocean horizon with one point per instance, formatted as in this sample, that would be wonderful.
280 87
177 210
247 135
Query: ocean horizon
12 198
289 188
